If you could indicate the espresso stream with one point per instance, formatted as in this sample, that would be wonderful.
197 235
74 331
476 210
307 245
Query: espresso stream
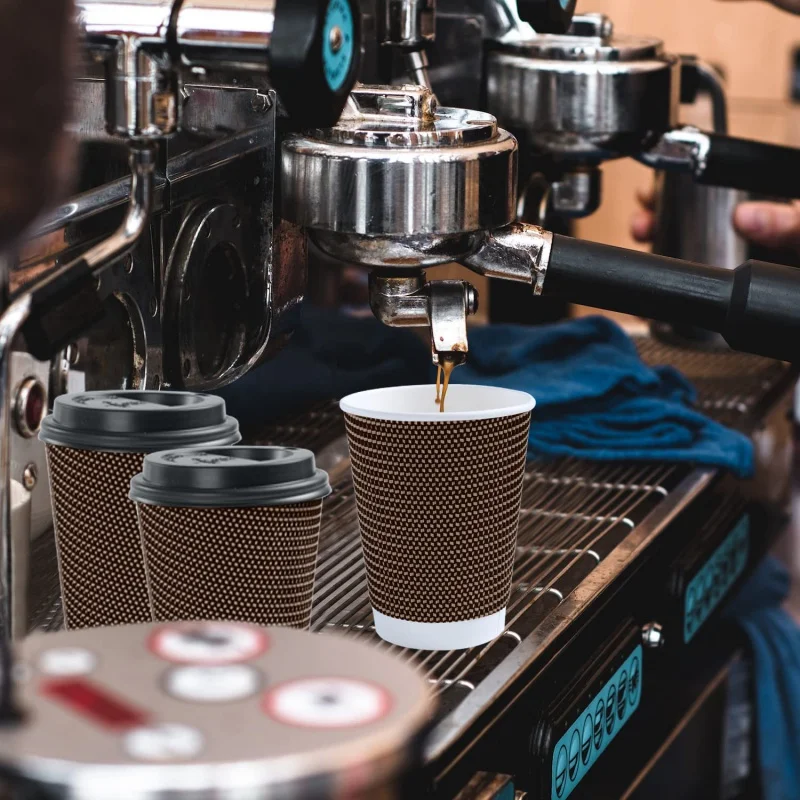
443 373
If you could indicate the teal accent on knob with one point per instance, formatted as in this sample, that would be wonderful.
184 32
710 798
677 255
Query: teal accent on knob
338 43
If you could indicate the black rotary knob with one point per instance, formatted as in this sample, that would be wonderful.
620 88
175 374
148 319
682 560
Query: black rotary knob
314 56
548 16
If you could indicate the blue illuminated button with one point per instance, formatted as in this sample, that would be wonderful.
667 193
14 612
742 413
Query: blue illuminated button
586 739
599 714
611 705
634 681
622 694
574 754
561 770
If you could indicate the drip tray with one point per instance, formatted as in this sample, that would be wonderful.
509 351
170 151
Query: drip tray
581 524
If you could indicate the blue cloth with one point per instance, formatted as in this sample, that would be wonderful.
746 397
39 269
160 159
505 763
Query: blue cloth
329 356
596 399
775 641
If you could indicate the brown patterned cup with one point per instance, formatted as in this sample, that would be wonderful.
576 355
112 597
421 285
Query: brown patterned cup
96 442
231 533
438 498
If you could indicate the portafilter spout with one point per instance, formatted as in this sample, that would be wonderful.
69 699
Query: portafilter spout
404 185
407 300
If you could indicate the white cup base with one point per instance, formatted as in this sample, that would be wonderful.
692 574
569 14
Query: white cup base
439 635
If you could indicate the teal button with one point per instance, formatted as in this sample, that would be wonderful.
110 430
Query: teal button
710 585
603 718
338 43
508 792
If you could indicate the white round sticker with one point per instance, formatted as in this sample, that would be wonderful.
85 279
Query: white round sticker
165 742
64 662
209 643
327 703
213 684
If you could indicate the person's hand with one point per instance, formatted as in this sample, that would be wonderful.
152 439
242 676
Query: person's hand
773 225
643 221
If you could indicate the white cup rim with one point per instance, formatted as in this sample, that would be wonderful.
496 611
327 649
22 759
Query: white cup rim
416 403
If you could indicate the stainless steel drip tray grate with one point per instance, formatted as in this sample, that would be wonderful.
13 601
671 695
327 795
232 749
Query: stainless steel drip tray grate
573 515
581 524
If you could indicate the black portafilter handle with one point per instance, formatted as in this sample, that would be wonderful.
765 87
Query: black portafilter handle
547 16
755 167
756 307
313 58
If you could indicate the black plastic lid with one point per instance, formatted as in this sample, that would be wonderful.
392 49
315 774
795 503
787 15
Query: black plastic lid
223 477
138 421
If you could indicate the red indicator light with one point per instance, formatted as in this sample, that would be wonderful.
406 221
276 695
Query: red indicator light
97 704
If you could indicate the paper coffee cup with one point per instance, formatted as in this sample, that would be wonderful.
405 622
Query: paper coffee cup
96 442
438 497
231 533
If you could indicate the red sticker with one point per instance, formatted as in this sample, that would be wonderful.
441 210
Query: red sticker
327 703
208 643
95 703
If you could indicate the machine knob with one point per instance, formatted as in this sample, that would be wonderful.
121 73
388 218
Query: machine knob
314 56
548 16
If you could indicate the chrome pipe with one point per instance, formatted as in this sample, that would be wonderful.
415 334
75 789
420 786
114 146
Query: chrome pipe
120 243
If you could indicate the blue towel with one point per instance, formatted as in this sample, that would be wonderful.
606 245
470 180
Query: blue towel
329 356
596 399
775 640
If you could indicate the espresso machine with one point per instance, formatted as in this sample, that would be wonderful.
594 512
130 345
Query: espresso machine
220 141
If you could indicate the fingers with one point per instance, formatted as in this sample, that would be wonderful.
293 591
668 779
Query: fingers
643 221
643 225
647 198
769 224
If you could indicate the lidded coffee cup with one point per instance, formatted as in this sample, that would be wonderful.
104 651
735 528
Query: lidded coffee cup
231 532
96 442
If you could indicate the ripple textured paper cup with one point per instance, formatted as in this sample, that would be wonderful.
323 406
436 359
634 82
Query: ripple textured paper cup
96 442
231 533
438 499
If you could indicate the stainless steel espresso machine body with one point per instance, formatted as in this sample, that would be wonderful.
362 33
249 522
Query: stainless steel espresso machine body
589 95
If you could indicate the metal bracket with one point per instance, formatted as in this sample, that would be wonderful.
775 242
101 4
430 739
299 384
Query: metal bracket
518 252
409 301
679 150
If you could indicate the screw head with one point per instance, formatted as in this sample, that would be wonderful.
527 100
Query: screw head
336 38
260 103
29 476
653 635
